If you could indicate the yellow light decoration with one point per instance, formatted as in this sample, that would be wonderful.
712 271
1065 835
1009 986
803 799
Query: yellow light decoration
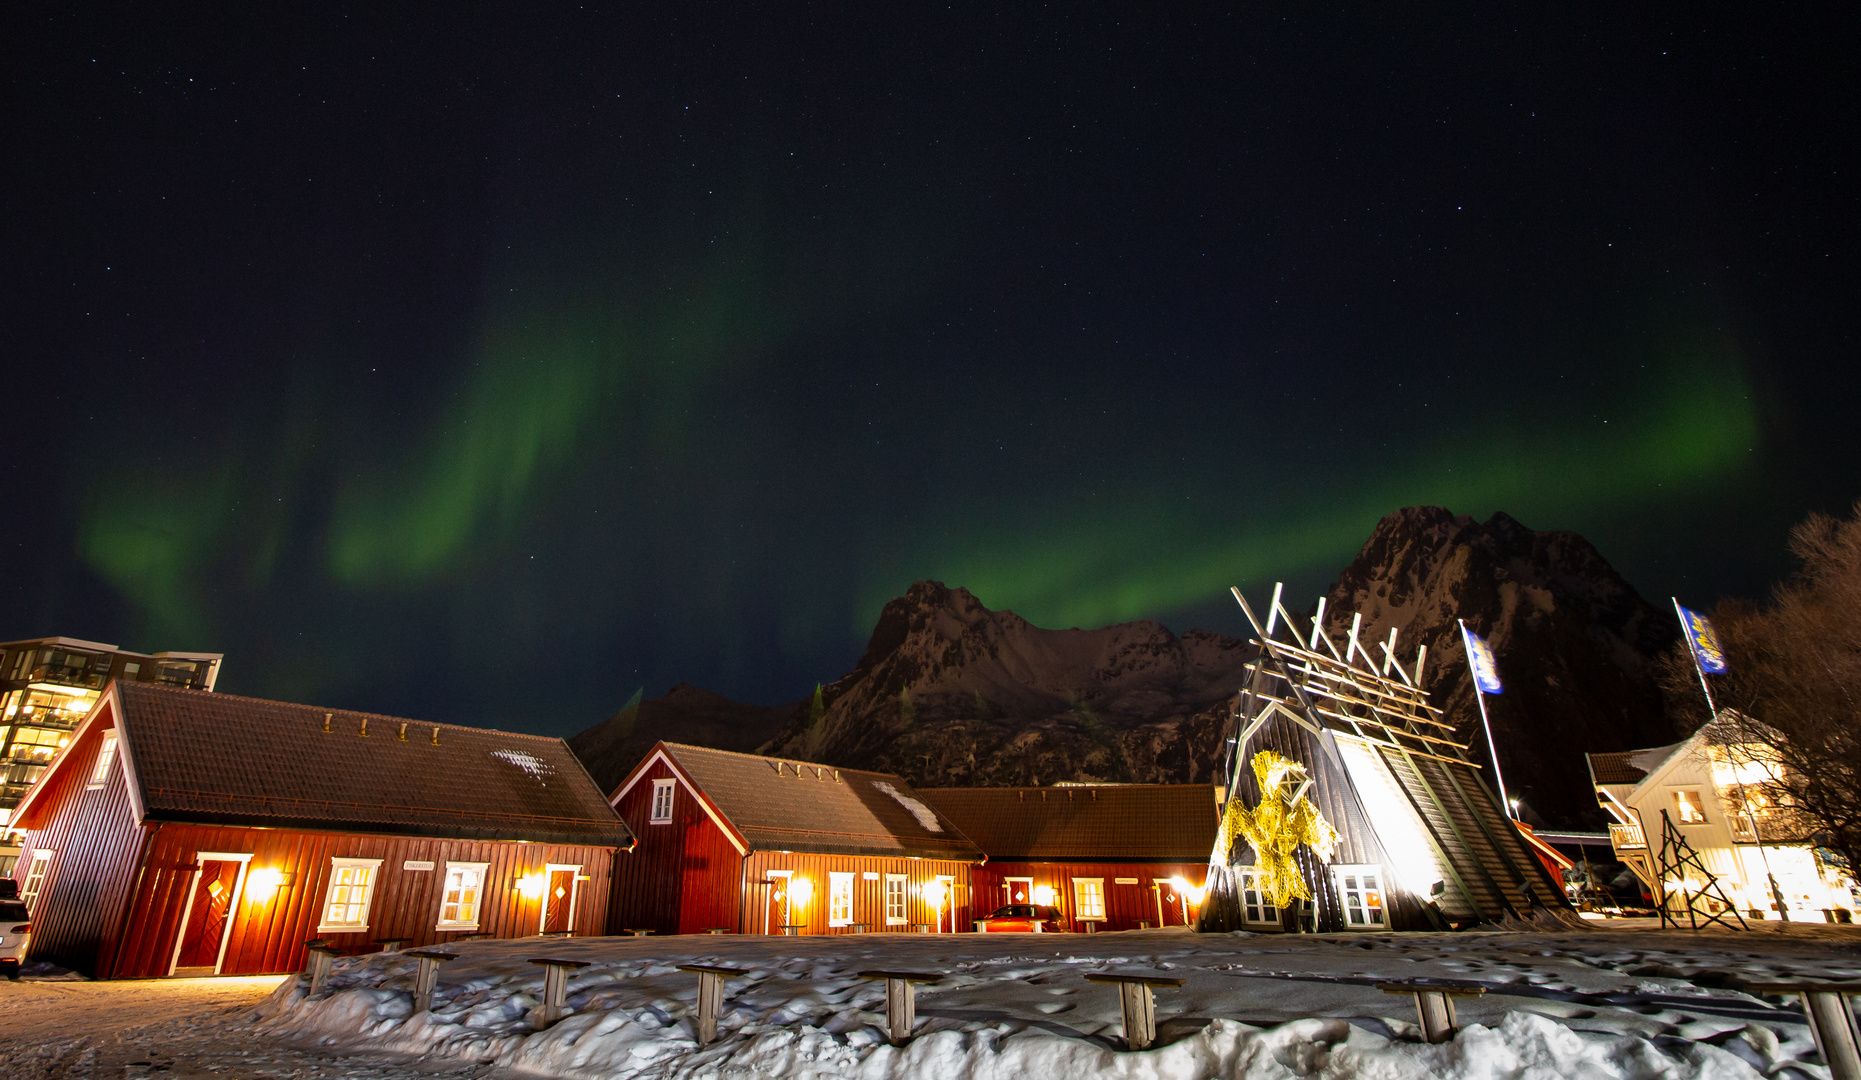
262 884
1043 895
532 887
1275 830
800 890
933 895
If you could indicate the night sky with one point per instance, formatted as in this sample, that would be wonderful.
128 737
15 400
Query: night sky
488 368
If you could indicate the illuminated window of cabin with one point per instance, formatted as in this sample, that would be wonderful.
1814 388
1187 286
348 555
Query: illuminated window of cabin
106 757
894 899
35 875
463 895
662 802
1255 905
839 899
1689 808
352 887
1089 899
1361 889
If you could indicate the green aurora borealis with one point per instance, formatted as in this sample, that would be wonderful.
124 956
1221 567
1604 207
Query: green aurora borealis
491 373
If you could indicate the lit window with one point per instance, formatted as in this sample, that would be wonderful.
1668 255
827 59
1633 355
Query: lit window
352 885
662 802
839 899
458 906
1089 898
106 757
894 899
1689 808
35 875
1362 891
1257 908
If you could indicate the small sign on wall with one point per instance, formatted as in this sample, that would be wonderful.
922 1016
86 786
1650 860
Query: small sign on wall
1124 881
417 864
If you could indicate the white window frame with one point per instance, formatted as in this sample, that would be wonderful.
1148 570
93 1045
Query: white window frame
664 792
550 870
1373 871
367 903
478 898
897 886
38 873
1254 912
106 757
1688 802
1082 911
839 889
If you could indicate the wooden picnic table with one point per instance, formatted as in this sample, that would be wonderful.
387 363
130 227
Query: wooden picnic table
1137 1003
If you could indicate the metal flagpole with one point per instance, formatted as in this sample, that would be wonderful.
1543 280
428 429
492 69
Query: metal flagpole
1480 696
1744 796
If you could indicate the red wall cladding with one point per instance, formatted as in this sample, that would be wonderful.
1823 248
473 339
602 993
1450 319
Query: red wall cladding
684 876
1148 899
268 932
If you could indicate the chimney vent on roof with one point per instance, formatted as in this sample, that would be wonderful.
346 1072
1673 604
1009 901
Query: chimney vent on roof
326 721
403 731
435 734
365 727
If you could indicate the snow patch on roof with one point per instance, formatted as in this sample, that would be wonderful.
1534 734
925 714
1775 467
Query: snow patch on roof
529 763
925 815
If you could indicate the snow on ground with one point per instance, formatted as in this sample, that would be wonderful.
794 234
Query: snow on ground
1611 1003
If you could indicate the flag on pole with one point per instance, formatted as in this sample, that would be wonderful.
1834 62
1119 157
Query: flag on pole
1703 640
1480 660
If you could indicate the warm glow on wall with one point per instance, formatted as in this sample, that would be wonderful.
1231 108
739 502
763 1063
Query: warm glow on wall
262 884
933 894
799 891
532 887
1043 895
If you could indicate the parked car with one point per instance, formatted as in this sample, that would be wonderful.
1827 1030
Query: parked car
1021 918
15 932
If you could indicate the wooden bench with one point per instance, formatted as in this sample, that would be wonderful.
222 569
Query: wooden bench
1434 1003
555 988
791 929
318 958
639 933
1137 1003
1831 1020
901 1006
920 928
858 927
556 933
720 930
710 997
393 944
427 975
475 937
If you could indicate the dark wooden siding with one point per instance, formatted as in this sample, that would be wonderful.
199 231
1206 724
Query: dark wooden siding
1336 799
868 896
683 876
1125 905
79 912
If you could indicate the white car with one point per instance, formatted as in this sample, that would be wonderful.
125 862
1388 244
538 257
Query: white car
15 932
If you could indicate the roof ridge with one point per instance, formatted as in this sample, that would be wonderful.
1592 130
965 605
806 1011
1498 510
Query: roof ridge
788 761
216 695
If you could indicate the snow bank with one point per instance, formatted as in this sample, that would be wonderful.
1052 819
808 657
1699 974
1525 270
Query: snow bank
1251 1006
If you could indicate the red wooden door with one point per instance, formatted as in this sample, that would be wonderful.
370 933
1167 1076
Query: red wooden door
556 915
207 915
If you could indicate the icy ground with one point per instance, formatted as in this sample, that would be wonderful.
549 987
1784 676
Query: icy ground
1613 1003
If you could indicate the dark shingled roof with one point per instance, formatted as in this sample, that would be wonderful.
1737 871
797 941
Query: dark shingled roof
1110 823
780 805
226 760
1615 768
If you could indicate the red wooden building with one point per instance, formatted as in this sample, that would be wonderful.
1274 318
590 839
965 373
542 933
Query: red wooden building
196 833
1108 856
753 844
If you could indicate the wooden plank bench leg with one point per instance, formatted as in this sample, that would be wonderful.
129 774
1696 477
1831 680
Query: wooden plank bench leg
901 1010
555 996
1139 1006
1832 1022
710 1005
424 978
1434 1010
320 962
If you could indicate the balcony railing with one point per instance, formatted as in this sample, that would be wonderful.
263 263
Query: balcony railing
1627 838
68 675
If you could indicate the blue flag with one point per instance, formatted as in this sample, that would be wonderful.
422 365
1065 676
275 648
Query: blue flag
1480 661
1704 641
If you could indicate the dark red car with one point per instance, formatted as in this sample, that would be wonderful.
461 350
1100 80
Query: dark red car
1020 918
